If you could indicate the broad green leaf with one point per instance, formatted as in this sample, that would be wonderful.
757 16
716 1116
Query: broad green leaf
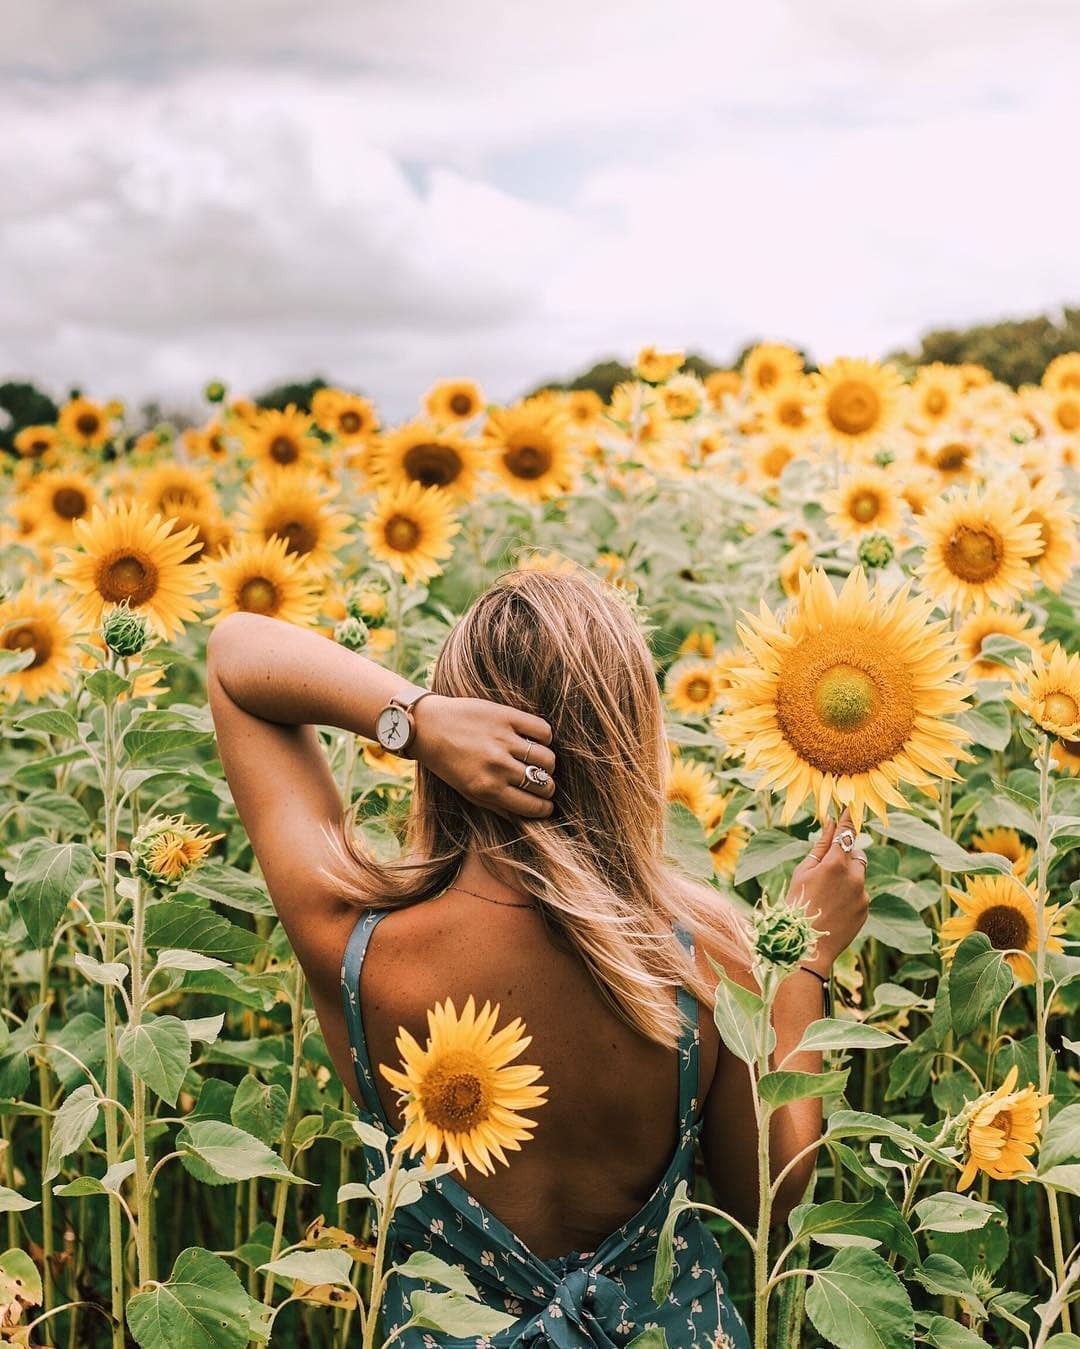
738 1013
872 1221
203 1306
768 848
783 1087
157 734
369 1135
327 1266
187 960
49 811
947 854
686 844
20 1281
946 1277
80 1187
71 1127
205 1029
175 924
423 1265
46 876
988 724
1059 1155
159 1052
49 721
946 1334
260 1109
897 923
1063 1340
13 660
456 1315
834 1033
13 1202
979 979
862 1124
857 1302
230 1154
664 1264
230 886
355 1189
109 974
948 1211
104 685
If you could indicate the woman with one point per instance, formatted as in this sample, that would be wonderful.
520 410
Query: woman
545 892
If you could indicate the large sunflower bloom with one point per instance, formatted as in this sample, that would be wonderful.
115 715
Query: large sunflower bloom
294 506
656 366
64 496
721 384
692 687
785 408
453 400
127 554
994 623
1063 373
856 401
1006 843
935 393
866 502
769 364
1003 909
979 548
531 451
83 424
280 439
1049 509
420 453
260 576
691 784
1001 1131
1048 691
33 620
410 528
847 697
170 485
461 1093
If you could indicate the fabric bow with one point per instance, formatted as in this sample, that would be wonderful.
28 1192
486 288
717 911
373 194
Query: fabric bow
584 1311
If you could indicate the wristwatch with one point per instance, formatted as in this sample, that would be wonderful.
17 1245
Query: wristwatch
395 726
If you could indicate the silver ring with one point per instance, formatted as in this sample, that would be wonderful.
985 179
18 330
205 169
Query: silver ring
846 839
528 751
534 777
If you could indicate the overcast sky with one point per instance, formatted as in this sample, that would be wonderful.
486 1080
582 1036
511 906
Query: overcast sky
386 191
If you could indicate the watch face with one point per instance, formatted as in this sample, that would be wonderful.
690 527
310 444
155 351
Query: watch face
392 729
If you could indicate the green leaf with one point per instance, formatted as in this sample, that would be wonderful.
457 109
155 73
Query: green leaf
1002 650
834 1033
1063 1340
13 660
456 1315
783 1087
423 1265
104 685
70 1128
988 724
979 979
230 1154
19 1280
946 1277
175 924
685 842
946 1334
110 975
664 1264
313 1267
738 1013
948 1211
203 1306
230 886
159 1051
47 811
857 1302
1059 1155
260 1109
13 1202
156 734
187 960
46 876
896 922
767 849
948 855
49 721
862 1124
870 1222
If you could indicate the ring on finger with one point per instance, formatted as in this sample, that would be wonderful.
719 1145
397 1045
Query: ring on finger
534 777
846 839
528 751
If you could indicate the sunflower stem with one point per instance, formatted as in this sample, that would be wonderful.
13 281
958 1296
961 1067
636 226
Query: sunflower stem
763 1113
291 1120
378 1278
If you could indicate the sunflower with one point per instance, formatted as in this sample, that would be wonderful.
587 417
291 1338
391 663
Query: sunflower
994 623
975 376
208 443
1002 908
213 532
167 848
1065 756
37 442
460 1092
935 393
584 407
856 401
64 496
531 452
347 416
978 548
384 761
83 424
769 364
261 576
721 384
726 847
1049 509
1063 411
950 459
33 620
125 553
656 366
1063 373
846 698
1048 691
1001 1131
865 502
918 490
170 485
410 528
453 400
771 456
294 506
280 439
692 687
420 453
691 784
785 408
1006 843
683 396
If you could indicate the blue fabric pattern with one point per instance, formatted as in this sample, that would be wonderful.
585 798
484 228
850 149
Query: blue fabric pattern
583 1300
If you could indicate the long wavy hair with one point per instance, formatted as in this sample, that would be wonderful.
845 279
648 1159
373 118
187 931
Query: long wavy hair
566 648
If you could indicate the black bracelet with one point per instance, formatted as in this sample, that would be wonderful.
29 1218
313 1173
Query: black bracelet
826 987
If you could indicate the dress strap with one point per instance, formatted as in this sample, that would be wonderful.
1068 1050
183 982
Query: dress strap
689 1045
351 965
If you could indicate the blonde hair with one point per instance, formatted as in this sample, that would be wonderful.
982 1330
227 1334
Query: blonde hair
566 648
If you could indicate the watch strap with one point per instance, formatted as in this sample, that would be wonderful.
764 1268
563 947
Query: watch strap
409 696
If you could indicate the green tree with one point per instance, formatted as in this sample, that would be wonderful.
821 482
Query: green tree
25 405
1015 351
299 393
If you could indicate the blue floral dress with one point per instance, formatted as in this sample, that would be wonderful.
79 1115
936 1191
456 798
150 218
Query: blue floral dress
583 1300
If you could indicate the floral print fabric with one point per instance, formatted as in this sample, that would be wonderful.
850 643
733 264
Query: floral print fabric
583 1300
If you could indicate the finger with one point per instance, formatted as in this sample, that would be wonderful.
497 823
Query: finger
515 776
527 804
539 755
821 847
530 727
857 855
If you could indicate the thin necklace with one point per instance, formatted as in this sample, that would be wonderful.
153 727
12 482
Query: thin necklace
502 903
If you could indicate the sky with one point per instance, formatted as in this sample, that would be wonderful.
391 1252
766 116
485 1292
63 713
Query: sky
385 192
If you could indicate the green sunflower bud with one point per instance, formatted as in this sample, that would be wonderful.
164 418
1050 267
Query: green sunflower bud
876 550
783 935
125 631
215 391
352 632
883 458
367 601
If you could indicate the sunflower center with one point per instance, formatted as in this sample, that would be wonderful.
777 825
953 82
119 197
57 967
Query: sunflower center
402 533
527 461
301 536
216 444
350 422
952 458
791 413
1006 926
432 464
1068 414
284 450
37 448
767 375
30 637
699 690
974 553
125 575
935 402
69 503
461 404
455 1101
1003 1121
87 423
865 506
776 459
258 596
1061 708
853 407
844 701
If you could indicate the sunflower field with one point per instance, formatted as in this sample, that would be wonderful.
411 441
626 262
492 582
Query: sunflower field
859 590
